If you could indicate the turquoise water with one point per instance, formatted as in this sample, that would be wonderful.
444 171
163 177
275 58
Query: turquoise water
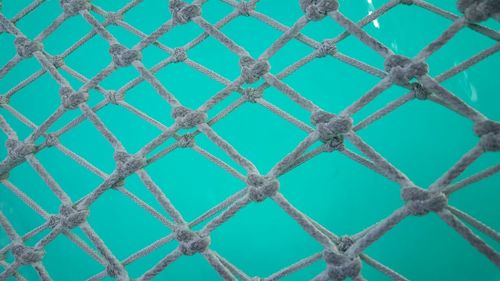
422 139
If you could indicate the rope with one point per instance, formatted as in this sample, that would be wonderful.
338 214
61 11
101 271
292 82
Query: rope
342 254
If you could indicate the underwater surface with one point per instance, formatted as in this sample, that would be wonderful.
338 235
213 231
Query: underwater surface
422 138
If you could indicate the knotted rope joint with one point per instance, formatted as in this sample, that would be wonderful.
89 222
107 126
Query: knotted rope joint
187 118
420 201
252 70
27 255
73 7
71 99
331 128
191 242
71 218
261 187
25 47
318 9
402 69
341 266
479 10
183 13
18 150
123 56
127 164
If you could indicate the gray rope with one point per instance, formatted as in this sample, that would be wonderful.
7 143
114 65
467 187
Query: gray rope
342 255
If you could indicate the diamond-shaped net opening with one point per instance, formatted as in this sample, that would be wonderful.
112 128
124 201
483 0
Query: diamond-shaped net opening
141 99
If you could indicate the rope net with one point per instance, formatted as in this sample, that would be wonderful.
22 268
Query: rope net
343 254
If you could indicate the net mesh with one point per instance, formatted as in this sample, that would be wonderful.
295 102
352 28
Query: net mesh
342 254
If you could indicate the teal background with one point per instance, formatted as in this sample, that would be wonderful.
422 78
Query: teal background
421 138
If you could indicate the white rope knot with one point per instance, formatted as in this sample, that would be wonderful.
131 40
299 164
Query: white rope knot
344 243
252 70
73 7
51 140
185 141
402 69
261 187
420 201
71 99
113 18
115 271
123 56
26 255
486 126
18 150
127 164
114 97
327 47
318 9
179 55
187 118
71 218
25 47
252 94
331 128
479 10
419 91
57 61
341 266
406 2
191 242
490 142
245 7
183 13
4 100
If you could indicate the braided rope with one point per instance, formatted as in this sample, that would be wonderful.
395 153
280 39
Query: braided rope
342 254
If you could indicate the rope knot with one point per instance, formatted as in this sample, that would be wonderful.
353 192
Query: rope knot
53 221
127 164
18 150
331 128
27 255
57 61
185 141
340 266
402 69
114 271
479 10
252 70
51 140
73 7
179 55
420 201
245 7
327 47
71 99
71 218
187 118
406 2
318 9
114 97
420 92
25 47
485 127
344 243
123 56
191 242
113 18
4 100
183 13
252 94
261 187
490 142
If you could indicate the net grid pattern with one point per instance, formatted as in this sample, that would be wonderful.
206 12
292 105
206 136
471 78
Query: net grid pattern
342 254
